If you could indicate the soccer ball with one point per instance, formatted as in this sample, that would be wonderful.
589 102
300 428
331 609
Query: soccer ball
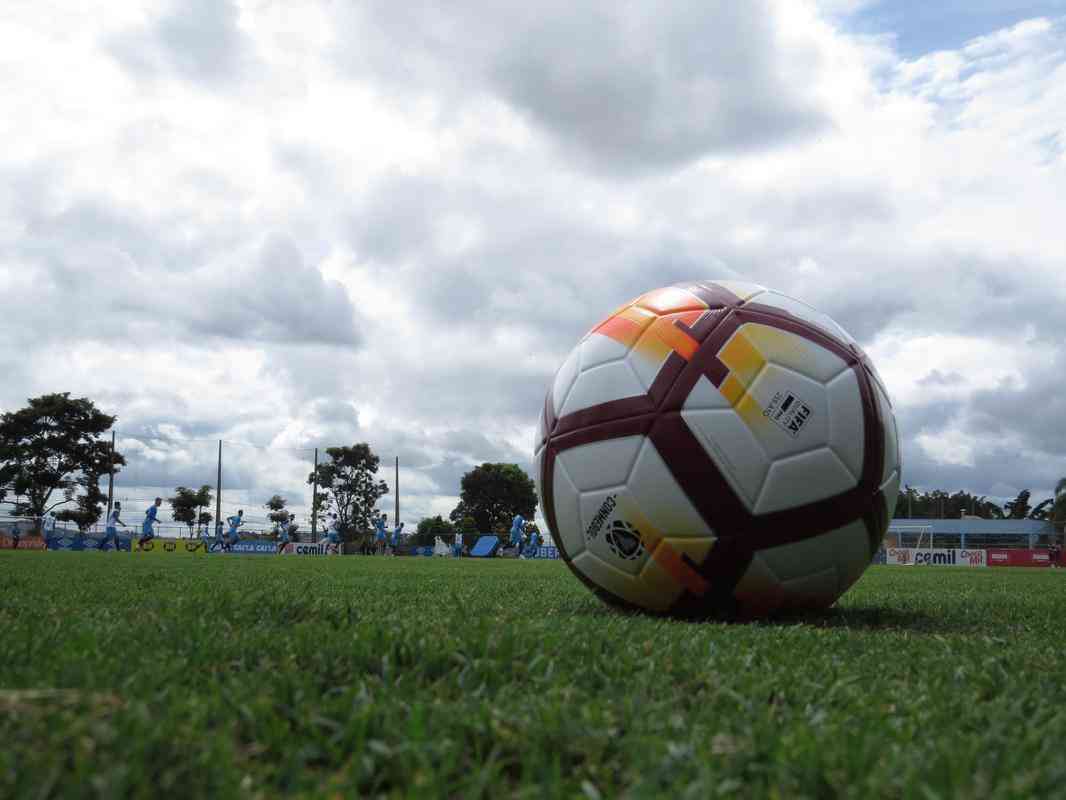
717 449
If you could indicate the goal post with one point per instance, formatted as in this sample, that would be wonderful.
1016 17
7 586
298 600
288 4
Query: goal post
916 537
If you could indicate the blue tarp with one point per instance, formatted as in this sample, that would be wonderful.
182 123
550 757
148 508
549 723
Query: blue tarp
485 547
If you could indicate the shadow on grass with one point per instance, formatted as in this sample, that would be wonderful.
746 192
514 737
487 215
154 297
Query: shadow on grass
872 618
876 618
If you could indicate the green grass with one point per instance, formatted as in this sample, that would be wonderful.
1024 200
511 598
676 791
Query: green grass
191 676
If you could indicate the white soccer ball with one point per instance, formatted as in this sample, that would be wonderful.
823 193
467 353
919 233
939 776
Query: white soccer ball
717 449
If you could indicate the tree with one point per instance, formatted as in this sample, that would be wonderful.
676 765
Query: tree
185 506
431 527
54 445
278 515
912 503
1058 508
492 494
1042 509
348 485
1019 507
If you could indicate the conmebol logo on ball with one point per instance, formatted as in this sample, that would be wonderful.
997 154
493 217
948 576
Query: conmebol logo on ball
735 445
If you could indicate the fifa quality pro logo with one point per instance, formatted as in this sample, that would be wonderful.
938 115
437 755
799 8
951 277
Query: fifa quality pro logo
788 412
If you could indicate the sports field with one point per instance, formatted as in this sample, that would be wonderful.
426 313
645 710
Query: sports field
189 676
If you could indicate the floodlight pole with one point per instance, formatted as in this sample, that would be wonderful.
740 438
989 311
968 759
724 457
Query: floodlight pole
218 489
396 519
314 502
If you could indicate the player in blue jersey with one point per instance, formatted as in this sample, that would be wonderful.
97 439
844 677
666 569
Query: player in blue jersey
379 534
111 530
394 538
532 544
147 531
285 534
333 535
234 522
518 524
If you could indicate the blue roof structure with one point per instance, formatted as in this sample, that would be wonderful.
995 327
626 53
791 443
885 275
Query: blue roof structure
992 527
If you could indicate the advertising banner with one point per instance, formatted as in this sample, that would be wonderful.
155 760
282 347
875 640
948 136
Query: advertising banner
936 557
166 546
547 552
81 542
256 547
1011 557
305 549
25 543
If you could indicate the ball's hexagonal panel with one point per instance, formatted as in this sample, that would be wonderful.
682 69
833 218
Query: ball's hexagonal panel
669 300
786 349
611 381
601 465
802 479
616 581
786 411
742 289
614 539
597 350
656 494
663 336
846 432
734 450
566 502
564 379
891 439
803 311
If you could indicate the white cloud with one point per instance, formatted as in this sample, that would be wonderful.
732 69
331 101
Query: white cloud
297 225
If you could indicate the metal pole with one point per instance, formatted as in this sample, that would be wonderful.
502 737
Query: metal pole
218 489
396 519
314 503
111 476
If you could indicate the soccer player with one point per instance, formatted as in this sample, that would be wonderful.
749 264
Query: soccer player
333 535
111 531
147 531
518 524
394 541
379 533
533 544
16 535
49 525
234 522
285 534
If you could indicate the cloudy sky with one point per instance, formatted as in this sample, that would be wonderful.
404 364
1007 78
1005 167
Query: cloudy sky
298 224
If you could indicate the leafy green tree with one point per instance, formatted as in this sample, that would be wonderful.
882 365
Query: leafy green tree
916 504
1058 509
278 515
1042 509
51 455
1019 507
349 487
185 506
493 493
431 527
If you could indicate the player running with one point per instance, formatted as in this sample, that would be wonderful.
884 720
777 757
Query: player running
285 535
111 530
147 530
518 524
234 522
394 540
333 536
379 534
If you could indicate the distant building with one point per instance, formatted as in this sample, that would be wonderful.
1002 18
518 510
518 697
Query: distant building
969 532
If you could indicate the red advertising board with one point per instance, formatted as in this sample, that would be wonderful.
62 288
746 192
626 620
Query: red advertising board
1010 557
26 543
